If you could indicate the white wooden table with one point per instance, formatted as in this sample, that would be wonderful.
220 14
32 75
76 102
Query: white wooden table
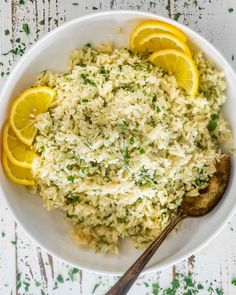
27 269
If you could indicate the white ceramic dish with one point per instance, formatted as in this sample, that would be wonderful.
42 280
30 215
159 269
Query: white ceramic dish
50 230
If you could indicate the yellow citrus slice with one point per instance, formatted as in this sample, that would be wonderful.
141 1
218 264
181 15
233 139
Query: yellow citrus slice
17 174
149 27
17 152
160 41
26 108
180 65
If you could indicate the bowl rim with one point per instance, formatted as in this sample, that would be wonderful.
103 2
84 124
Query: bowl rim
16 69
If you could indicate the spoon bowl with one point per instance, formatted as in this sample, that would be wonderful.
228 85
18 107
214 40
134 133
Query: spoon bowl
191 207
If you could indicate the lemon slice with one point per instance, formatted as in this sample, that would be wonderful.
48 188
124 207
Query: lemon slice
25 110
17 174
159 41
149 27
180 65
17 152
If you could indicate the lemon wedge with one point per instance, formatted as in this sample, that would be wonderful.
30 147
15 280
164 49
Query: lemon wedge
17 174
26 108
180 65
160 41
149 27
17 152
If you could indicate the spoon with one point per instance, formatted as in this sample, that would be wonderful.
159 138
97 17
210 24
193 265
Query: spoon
191 207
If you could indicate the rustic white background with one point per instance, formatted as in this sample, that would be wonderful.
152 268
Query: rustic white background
25 268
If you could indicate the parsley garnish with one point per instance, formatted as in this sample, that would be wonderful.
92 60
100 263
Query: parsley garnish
230 10
177 16
142 151
72 273
71 178
213 122
233 282
95 287
158 110
7 32
60 279
26 29
155 289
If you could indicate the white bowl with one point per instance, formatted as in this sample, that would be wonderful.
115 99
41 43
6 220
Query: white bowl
49 229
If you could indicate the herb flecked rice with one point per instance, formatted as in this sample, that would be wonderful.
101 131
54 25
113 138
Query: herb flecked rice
122 144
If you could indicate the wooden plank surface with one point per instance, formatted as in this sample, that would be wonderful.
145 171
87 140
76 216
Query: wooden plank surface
27 269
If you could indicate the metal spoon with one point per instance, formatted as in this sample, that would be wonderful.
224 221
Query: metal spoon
190 207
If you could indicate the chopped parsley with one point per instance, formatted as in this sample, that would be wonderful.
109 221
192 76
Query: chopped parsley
7 32
158 110
71 178
177 16
233 282
95 287
42 22
131 141
60 279
126 153
75 4
230 10
21 2
86 79
155 289
142 151
213 122
26 29
72 272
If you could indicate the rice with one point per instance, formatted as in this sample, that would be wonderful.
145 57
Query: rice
122 144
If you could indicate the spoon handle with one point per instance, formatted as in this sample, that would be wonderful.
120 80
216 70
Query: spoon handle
127 280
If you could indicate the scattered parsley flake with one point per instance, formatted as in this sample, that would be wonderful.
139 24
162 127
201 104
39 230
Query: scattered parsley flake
71 178
42 292
13 242
18 40
158 110
233 282
27 285
21 2
195 2
152 4
200 286
95 8
26 29
155 289
18 280
37 284
213 122
60 279
142 151
75 4
95 287
3 234
175 284
146 284
42 22
219 291
177 16
7 32
72 273
230 10
126 153
131 141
